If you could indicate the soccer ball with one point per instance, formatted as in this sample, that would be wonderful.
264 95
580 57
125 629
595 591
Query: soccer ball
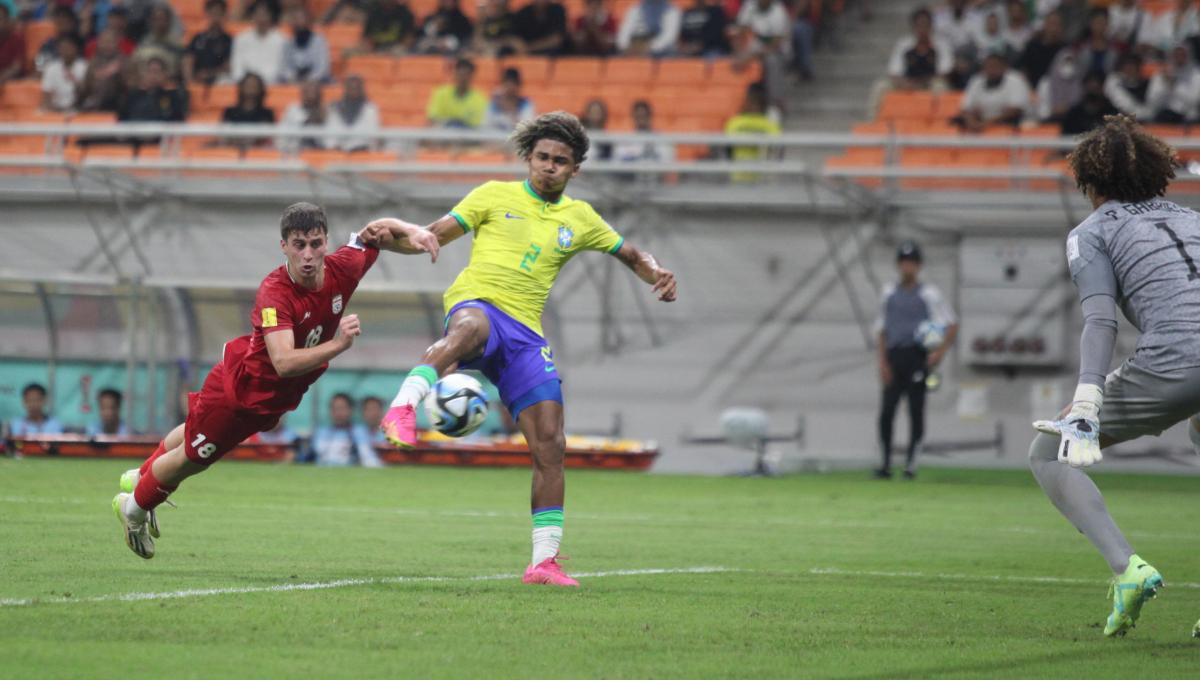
931 335
457 405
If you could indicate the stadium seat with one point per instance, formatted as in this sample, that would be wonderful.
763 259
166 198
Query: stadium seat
403 119
93 118
911 105
21 95
726 72
578 70
279 97
375 69
22 146
535 71
36 33
421 69
319 158
947 105
681 72
629 71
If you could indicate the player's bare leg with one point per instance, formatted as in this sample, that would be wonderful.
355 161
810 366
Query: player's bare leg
466 337
542 425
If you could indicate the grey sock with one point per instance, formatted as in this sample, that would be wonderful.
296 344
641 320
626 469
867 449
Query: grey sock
1078 499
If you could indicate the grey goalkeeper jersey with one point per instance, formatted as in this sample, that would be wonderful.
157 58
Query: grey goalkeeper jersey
1142 255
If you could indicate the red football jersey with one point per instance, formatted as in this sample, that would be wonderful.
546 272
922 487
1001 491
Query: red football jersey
312 316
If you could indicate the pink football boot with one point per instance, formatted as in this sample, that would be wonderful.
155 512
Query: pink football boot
548 572
399 425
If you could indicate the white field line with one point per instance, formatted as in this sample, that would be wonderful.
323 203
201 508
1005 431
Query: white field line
992 578
660 520
341 583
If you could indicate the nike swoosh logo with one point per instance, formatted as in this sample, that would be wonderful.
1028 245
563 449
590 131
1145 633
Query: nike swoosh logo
511 216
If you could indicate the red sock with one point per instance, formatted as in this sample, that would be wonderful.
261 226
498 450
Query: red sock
157 452
149 493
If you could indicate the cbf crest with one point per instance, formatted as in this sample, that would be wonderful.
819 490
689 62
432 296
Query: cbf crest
337 303
565 236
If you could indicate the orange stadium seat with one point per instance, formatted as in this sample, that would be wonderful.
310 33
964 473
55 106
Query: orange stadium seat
279 97
341 37
21 95
578 70
373 68
726 72
403 119
947 105
681 72
899 104
629 71
534 70
422 69
22 146
95 118
36 33
319 158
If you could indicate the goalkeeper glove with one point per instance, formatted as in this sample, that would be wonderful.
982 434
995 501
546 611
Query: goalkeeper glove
1079 431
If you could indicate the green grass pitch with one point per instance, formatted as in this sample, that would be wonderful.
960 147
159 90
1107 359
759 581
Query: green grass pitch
959 574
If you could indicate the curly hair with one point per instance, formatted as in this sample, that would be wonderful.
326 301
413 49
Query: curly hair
559 126
1122 161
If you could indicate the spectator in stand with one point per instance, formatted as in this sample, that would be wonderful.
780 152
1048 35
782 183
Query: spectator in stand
1074 14
921 58
108 403
508 106
704 30
753 120
207 57
542 27
12 48
803 35
353 120
339 443
1089 113
118 24
1061 88
259 49
390 27
36 421
496 31
65 24
992 38
1096 52
650 28
371 411
1126 23
1174 92
447 31
158 41
1041 49
104 83
595 31
1127 88
250 108
62 79
961 73
648 149
306 53
280 435
310 111
997 95
458 104
957 24
1016 26
153 100
1181 24
595 119
766 31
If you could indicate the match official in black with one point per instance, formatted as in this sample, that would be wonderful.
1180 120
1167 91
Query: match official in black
914 329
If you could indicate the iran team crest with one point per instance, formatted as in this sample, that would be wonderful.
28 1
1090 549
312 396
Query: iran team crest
337 303
565 236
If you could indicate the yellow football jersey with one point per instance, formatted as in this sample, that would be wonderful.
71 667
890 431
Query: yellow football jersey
521 243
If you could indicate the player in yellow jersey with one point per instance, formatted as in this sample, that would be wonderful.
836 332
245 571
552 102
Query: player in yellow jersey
524 233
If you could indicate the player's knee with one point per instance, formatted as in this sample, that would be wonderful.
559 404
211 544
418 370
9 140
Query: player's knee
548 449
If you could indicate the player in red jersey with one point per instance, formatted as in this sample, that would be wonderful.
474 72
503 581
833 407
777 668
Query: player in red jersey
298 329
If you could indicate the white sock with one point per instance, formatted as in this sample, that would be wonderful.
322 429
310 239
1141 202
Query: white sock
415 386
545 543
134 511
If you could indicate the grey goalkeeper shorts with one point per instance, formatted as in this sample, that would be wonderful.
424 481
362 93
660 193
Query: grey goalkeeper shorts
1140 402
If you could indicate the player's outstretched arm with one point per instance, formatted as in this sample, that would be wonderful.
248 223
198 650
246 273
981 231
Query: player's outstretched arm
290 361
647 269
410 239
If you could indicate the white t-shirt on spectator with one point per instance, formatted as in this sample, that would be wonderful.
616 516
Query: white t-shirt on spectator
1124 100
668 34
359 132
958 31
295 116
261 54
770 23
991 103
62 83
1165 32
943 50
1123 21
1180 94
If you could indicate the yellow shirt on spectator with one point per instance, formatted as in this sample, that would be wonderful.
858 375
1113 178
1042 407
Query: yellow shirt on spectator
521 243
447 108
750 123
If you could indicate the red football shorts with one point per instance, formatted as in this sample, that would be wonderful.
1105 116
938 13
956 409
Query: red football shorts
214 427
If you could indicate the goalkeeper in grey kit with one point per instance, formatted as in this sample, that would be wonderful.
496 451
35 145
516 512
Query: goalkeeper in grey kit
1135 250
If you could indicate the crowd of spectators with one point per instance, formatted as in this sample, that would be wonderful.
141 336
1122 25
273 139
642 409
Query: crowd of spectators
1061 62
132 57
